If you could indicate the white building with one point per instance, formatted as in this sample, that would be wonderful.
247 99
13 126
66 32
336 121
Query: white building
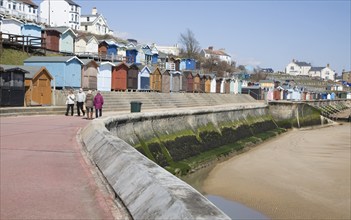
61 13
322 72
19 9
94 23
297 68
169 50
217 54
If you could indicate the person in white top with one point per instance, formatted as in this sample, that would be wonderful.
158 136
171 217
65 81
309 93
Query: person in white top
70 102
80 101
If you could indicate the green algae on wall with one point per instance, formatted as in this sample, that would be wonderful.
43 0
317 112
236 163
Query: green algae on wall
182 151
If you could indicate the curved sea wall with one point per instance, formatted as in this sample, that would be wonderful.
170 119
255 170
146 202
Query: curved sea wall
117 146
295 114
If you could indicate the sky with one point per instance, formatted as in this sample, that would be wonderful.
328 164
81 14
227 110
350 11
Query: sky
269 34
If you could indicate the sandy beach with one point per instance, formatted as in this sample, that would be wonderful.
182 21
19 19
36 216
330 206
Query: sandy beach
303 174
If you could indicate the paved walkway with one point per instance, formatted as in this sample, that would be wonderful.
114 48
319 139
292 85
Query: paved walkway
44 175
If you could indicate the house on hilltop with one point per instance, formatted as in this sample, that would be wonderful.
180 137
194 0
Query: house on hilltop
94 23
298 68
216 54
322 72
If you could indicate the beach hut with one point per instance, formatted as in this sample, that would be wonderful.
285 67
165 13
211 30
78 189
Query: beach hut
132 77
102 49
175 81
104 78
119 76
189 81
37 86
208 84
11 26
33 34
52 39
187 64
12 88
202 82
213 83
89 74
196 82
66 40
232 86
183 82
278 93
144 78
66 70
155 79
218 84
166 81
86 45
227 86
222 88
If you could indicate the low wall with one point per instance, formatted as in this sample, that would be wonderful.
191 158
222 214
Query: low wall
147 190
121 145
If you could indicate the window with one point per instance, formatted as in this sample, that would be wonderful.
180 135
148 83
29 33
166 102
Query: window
76 18
72 17
1 3
14 6
29 9
72 8
9 6
33 11
292 68
86 27
88 18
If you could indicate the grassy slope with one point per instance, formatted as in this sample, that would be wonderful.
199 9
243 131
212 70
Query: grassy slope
12 57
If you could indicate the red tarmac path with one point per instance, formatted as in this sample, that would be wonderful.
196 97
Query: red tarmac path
43 174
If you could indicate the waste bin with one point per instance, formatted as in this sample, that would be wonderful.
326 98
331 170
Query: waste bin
135 106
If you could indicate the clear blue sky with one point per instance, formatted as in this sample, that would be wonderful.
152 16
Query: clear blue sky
264 33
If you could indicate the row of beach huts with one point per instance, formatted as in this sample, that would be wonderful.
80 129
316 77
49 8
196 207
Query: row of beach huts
34 82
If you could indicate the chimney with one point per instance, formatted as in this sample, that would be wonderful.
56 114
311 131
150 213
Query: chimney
94 11
328 65
293 60
210 47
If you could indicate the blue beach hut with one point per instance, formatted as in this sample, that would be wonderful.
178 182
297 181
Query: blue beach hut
66 70
144 79
33 31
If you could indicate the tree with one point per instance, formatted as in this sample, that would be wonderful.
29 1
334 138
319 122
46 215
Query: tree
191 47
214 64
258 75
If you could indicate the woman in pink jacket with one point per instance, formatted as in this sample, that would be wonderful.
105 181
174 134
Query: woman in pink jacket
98 103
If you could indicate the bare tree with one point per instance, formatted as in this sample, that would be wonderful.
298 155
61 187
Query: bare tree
191 47
214 64
258 75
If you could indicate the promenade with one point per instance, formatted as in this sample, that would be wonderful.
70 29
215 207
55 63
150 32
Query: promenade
44 174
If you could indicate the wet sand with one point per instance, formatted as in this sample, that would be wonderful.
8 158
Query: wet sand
303 174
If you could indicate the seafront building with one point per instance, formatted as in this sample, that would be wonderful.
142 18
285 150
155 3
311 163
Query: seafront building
20 9
61 13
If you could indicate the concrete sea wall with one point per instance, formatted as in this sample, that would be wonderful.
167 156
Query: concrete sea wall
147 190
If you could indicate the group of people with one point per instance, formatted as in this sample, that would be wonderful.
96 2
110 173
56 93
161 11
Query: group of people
85 102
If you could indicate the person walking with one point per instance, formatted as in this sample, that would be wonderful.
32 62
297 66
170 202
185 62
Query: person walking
98 103
89 104
80 101
70 102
